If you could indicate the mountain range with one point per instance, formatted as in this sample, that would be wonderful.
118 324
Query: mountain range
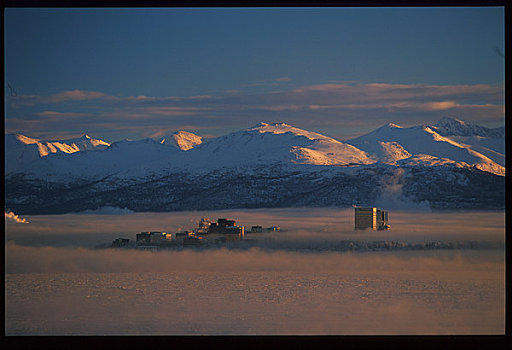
449 165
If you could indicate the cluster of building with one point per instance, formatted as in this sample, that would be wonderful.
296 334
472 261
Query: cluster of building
268 229
225 230
222 231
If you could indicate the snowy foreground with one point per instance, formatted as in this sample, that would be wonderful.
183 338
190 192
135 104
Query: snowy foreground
57 284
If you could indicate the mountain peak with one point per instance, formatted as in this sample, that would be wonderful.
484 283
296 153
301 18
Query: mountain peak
276 125
259 125
445 121
280 124
388 126
22 150
447 126
391 125
283 128
389 144
183 140
25 139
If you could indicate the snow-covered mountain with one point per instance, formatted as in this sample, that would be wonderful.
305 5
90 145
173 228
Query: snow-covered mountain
447 126
486 141
182 140
266 144
21 150
123 159
261 145
268 165
391 143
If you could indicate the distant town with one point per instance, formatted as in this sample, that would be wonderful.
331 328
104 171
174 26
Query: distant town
227 231
207 233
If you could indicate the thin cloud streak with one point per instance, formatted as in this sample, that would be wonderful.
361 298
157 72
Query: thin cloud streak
72 95
338 105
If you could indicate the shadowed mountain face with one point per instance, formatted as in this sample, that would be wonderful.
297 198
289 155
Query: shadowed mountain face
268 165
455 127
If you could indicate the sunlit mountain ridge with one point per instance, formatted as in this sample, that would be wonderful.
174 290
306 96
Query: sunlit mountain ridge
21 150
265 166
182 140
258 145
392 143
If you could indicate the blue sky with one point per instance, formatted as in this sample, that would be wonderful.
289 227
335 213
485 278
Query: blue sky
116 73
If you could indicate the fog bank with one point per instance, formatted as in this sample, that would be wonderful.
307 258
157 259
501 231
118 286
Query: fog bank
24 259
314 224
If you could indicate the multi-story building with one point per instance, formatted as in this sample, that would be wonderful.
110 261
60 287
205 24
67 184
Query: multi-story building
154 238
226 226
228 229
143 238
372 218
223 230
257 229
120 242
180 236
204 226
193 240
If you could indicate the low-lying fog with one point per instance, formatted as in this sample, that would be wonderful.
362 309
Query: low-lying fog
56 283
64 242
317 225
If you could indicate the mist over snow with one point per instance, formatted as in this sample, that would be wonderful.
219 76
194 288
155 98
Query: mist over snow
392 197
83 292
316 227
26 259
276 288
107 211
64 243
